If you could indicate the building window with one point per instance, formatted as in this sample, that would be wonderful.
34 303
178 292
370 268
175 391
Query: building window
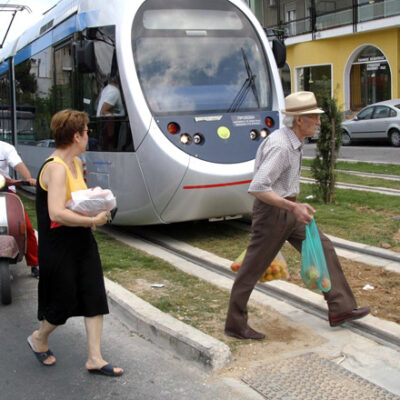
317 79
370 78
290 15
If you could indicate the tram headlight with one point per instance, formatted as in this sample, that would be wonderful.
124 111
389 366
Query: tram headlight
264 133
253 134
173 128
185 138
198 138
269 122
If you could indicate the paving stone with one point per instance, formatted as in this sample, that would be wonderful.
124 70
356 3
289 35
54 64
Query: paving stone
309 377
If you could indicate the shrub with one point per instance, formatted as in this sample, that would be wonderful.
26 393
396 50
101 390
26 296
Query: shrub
323 165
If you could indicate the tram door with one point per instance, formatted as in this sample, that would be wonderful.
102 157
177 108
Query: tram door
63 67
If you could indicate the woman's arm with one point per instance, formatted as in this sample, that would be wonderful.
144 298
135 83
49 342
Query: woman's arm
54 178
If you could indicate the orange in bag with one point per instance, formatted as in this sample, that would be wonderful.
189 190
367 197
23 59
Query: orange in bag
276 270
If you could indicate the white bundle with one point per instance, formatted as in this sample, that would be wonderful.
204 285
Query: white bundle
91 201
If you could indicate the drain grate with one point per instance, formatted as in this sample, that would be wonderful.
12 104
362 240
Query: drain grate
309 377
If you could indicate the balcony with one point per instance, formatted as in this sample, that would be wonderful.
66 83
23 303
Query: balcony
318 22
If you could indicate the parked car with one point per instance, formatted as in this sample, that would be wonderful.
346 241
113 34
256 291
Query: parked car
315 137
379 121
46 143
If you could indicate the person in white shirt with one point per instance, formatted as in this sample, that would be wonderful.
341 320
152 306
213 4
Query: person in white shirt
110 106
10 158
110 102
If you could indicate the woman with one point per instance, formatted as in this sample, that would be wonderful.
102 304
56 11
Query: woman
71 276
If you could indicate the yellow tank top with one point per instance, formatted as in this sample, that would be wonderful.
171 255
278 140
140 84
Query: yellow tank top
72 184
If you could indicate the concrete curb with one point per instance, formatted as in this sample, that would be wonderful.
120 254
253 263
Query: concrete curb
165 331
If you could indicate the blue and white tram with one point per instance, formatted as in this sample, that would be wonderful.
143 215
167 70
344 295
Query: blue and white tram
199 87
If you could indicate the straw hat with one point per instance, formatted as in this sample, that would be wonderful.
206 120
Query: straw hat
301 103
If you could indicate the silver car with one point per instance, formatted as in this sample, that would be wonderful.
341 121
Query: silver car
379 121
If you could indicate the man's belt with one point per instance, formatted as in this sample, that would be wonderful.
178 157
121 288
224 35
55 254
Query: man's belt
294 198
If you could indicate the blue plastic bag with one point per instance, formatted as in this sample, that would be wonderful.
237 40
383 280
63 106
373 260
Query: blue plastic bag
314 271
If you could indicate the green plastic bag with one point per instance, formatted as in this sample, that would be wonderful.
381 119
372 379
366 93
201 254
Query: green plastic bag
314 271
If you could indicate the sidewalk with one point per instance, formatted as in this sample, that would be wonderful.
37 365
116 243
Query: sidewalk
368 367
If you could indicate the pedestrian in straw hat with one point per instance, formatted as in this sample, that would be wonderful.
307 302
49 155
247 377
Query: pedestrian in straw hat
278 217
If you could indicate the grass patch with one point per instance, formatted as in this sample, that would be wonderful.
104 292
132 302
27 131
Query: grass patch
359 180
364 217
386 169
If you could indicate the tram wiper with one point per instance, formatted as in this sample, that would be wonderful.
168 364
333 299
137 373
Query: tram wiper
247 84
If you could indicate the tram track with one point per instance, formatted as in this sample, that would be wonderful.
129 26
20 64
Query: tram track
386 333
363 174
364 188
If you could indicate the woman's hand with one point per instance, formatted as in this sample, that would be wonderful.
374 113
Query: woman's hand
100 219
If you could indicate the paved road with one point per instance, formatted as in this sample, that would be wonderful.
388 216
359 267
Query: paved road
150 372
375 152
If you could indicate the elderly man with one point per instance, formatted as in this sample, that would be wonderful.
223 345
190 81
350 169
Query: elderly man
10 158
277 217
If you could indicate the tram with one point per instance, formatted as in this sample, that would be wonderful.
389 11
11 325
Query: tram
199 90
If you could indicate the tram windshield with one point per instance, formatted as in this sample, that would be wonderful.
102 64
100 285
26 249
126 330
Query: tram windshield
196 65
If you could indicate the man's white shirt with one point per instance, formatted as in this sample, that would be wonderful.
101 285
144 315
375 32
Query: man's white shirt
8 158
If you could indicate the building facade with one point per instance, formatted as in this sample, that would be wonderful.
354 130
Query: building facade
346 48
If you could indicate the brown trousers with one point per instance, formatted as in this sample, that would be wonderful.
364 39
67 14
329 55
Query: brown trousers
271 227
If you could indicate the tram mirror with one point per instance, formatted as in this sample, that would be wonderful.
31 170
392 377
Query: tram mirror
279 50
84 56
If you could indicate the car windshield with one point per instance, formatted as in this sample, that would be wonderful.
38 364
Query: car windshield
397 106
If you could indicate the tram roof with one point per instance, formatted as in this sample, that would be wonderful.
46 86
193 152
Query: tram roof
60 12
89 12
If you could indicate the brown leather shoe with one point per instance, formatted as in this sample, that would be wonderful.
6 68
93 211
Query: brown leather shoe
247 333
338 319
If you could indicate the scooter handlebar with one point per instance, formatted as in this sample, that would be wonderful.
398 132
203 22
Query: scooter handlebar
7 182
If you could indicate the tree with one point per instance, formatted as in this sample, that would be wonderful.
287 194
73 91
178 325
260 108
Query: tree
323 165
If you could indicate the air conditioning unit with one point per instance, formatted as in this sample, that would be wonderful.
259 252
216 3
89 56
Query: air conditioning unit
272 3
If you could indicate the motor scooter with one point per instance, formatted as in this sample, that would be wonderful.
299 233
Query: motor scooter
12 234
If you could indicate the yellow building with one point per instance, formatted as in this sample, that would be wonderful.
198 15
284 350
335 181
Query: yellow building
346 48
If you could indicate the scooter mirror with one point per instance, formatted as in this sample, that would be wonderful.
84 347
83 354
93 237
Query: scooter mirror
2 181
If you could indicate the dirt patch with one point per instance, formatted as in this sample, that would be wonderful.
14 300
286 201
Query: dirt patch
384 298
283 336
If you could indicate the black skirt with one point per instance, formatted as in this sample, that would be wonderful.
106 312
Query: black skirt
71 276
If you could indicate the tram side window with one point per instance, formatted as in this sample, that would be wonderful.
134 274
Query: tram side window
5 115
35 95
102 97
